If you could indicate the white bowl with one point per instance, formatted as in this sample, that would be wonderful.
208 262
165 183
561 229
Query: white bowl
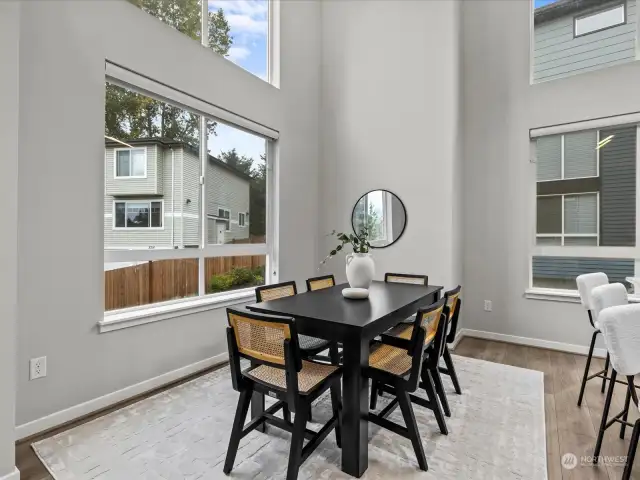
355 293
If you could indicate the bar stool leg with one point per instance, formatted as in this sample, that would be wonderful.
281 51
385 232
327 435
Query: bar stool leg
606 372
605 415
627 401
633 445
586 367
297 439
236 431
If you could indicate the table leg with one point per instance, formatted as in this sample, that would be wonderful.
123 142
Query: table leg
257 407
355 408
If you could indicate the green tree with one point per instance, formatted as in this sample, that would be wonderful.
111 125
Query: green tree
241 163
130 115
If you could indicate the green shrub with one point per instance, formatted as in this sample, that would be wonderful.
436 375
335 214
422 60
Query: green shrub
220 283
241 276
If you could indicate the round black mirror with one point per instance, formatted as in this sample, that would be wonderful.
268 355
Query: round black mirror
383 214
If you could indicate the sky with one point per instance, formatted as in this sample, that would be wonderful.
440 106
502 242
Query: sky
542 3
248 22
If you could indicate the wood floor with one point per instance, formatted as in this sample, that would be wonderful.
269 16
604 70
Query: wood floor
570 429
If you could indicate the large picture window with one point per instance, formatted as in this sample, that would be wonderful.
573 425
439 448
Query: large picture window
180 228
586 212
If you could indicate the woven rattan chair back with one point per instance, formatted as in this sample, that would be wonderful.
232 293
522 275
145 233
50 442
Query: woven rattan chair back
258 339
406 278
318 283
275 291
454 303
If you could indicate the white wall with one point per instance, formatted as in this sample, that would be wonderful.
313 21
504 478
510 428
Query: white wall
390 120
500 106
9 47
60 284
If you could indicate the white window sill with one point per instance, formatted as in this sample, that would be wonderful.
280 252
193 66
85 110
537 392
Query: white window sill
568 296
140 316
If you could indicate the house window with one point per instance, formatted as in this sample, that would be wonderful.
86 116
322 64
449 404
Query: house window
138 214
131 163
241 219
585 206
184 206
601 20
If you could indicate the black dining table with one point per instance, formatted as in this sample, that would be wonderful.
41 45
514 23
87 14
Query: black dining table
327 314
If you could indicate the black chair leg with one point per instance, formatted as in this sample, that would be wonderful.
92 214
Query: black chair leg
605 415
633 445
430 390
286 414
625 416
586 367
448 361
236 432
374 395
437 380
606 372
297 440
412 427
336 405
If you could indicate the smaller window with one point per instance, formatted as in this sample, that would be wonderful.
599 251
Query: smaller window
223 213
138 214
241 219
131 163
600 20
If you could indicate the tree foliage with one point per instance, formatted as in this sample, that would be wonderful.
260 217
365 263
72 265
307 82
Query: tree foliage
130 115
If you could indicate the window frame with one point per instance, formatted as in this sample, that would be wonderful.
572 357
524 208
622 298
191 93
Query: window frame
562 162
115 163
241 223
141 200
598 12
582 251
123 318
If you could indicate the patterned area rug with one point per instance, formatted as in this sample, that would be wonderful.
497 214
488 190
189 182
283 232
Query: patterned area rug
496 431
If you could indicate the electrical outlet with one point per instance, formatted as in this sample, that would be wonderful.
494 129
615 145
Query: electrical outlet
37 368
488 305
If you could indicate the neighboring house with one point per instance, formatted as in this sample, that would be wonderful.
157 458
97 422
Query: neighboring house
152 196
586 196
576 36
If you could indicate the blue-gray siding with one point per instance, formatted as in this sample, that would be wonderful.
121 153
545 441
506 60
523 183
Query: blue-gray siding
558 54
569 268
618 188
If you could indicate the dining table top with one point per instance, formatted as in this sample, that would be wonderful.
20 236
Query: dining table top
328 307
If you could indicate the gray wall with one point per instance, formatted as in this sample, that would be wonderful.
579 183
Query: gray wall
9 42
557 53
500 106
389 122
60 283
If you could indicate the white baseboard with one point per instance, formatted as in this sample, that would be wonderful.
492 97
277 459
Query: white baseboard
531 342
15 475
82 409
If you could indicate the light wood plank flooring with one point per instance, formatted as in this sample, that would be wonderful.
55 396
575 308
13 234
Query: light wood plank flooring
570 429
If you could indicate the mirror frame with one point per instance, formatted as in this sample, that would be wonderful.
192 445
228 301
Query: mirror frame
406 215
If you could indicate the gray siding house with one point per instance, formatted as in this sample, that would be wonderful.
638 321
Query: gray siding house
576 36
152 196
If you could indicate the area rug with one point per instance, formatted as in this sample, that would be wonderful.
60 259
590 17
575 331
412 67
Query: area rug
496 431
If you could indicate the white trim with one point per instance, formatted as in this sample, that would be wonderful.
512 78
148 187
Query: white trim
77 411
136 229
130 317
15 475
584 251
146 254
131 80
115 164
596 123
532 342
558 295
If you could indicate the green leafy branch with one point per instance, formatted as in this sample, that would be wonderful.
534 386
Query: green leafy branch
359 242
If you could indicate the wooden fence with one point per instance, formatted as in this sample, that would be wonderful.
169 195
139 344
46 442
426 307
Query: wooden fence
162 280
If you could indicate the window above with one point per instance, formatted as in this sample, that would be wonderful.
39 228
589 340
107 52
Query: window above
131 163
601 20
241 219
137 214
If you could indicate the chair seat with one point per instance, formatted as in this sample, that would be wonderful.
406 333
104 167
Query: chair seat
311 375
390 359
312 343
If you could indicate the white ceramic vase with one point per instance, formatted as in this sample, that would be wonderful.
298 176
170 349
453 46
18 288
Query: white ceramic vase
360 270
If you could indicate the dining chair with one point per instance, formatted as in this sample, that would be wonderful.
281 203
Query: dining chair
454 303
398 369
431 382
620 327
586 283
407 278
278 370
318 283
